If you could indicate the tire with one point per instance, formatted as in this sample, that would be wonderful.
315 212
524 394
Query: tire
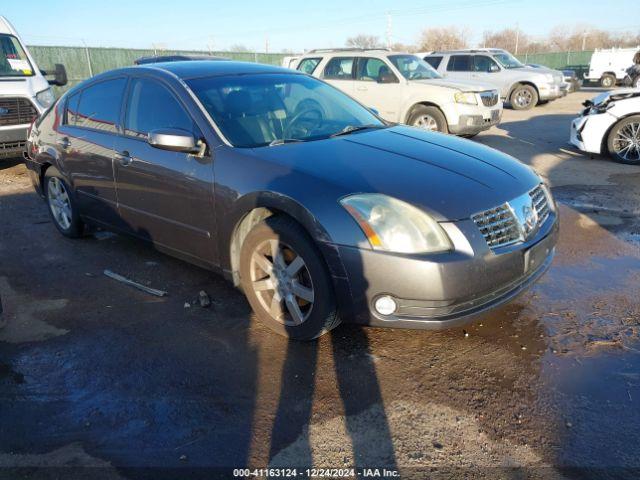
311 309
428 118
523 97
623 142
61 204
608 81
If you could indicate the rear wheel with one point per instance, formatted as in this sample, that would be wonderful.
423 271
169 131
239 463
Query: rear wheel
523 97
428 118
608 81
62 206
623 142
286 281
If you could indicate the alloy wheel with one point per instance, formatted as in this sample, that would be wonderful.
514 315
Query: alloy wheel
59 203
426 122
626 143
523 98
282 283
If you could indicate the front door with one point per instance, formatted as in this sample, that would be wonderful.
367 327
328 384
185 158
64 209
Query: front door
376 86
164 196
86 141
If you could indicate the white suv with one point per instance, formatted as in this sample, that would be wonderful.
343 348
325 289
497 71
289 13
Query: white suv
402 88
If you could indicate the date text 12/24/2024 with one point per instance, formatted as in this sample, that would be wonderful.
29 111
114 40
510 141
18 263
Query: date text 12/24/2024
316 473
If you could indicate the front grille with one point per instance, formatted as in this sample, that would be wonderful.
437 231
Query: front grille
540 203
16 111
489 98
501 226
498 226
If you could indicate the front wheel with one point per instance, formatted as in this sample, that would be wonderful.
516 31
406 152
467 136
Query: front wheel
428 118
523 97
623 142
62 206
286 281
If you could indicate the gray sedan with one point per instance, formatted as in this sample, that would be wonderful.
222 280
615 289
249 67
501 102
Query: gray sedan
320 211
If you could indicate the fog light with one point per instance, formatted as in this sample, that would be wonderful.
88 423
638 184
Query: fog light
385 305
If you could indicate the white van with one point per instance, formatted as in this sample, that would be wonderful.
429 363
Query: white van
24 91
609 66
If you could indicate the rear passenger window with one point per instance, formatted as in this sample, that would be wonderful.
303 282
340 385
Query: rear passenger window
151 107
99 106
459 63
339 68
308 65
433 61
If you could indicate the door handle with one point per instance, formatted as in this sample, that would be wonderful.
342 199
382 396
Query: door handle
64 142
123 158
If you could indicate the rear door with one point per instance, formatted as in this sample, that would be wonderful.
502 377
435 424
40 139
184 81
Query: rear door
459 67
339 72
164 196
86 141
376 86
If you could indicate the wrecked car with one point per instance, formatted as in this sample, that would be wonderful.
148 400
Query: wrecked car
318 209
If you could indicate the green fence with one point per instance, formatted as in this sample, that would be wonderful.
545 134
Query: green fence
82 63
578 61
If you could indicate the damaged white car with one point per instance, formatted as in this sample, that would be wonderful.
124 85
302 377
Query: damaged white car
610 123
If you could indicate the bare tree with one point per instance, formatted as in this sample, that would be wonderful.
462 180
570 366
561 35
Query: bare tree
364 41
238 47
444 38
508 39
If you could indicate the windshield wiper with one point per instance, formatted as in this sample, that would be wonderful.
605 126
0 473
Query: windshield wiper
354 128
282 141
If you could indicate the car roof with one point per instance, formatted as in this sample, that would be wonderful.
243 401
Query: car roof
6 27
175 58
209 68
466 51
353 52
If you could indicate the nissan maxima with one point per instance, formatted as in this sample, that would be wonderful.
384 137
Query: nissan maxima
316 208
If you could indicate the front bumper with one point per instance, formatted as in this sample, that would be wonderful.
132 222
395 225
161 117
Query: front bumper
446 290
588 131
548 92
471 119
13 140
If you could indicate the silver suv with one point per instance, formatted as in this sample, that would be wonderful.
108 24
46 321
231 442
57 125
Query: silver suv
403 88
523 87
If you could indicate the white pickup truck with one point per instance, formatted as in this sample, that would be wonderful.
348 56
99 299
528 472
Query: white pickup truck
25 93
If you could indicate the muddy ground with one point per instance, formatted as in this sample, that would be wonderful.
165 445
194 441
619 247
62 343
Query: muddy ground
96 374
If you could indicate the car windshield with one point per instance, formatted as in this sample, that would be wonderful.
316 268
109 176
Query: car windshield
413 68
13 60
272 109
507 60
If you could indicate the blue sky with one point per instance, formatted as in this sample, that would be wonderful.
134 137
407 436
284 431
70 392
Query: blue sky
293 24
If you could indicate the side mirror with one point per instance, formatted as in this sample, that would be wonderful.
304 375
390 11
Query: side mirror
59 75
174 140
494 68
389 78
374 111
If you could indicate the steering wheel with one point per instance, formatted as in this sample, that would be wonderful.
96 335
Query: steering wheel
302 115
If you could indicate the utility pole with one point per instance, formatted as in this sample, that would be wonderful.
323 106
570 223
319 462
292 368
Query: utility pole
517 37
584 40
389 30
266 44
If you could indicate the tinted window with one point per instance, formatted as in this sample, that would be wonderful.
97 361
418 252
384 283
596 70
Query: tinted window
459 63
373 70
72 109
308 65
482 63
150 107
339 68
258 110
434 61
99 105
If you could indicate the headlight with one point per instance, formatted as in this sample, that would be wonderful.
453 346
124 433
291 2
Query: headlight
466 97
395 226
45 98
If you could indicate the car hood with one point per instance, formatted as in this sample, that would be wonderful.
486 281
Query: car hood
457 85
614 95
448 177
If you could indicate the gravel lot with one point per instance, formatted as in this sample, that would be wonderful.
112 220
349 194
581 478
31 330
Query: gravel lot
94 373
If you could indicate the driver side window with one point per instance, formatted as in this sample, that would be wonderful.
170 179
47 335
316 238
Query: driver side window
373 70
